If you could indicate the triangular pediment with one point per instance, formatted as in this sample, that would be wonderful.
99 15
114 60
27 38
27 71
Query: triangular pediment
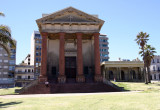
70 15
71 18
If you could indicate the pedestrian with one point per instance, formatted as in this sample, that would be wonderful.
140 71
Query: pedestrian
46 83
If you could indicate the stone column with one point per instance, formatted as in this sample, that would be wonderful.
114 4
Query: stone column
43 73
61 77
129 73
98 76
80 76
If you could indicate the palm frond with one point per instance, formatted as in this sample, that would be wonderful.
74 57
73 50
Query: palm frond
2 14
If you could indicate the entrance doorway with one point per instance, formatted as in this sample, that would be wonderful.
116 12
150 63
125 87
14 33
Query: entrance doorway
70 67
122 75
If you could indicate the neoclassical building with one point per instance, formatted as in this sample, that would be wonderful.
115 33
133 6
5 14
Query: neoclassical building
70 46
123 70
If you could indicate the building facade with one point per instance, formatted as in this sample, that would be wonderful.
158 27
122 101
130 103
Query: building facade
35 56
155 68
24 74
70 46
103 48
36 42
7 65
123 70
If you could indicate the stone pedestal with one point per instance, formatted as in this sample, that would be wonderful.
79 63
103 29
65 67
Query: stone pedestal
42 79
98 78
80 78
61 79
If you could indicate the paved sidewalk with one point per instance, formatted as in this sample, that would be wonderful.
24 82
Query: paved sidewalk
63 94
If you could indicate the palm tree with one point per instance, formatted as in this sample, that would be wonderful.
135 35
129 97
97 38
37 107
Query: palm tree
141 40
149 54
5 34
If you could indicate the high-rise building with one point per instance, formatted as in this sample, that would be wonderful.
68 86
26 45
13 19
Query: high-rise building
103 47
7 65
35 56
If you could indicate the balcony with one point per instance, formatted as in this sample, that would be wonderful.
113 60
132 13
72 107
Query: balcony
21 72
24 79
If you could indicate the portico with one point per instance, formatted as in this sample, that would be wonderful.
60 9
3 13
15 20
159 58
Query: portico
70 46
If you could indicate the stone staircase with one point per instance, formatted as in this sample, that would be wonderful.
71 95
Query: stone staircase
69 88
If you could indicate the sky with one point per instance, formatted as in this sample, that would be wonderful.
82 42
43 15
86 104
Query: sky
124 19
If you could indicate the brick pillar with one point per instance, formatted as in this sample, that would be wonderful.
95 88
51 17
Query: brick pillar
80 76
98 76
61 77
43 73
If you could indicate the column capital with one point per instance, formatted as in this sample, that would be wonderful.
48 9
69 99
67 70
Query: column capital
96 34
44 33
62 33
79 34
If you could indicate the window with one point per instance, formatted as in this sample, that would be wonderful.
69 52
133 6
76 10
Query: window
13 56
36 53
12 62
37 36
157 60
29 70
37 47
19 77
6 61
154 68
37 41
104 45
153 61
37 59
36 64
13 51
12 68
5 66
5 72
6 55
158 68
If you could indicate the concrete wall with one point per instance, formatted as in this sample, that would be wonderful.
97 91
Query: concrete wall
53 56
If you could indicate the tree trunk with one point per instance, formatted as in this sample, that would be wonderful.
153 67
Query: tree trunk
145 76
149 76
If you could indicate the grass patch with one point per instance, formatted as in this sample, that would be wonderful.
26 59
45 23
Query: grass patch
139 86
8 91
115 101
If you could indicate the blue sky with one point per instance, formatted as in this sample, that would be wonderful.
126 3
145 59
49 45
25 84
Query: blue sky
124 19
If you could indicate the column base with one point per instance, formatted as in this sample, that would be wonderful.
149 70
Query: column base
42 79
98 78
61 79
80 78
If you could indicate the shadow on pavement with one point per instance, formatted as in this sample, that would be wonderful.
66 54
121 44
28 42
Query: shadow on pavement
5 105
